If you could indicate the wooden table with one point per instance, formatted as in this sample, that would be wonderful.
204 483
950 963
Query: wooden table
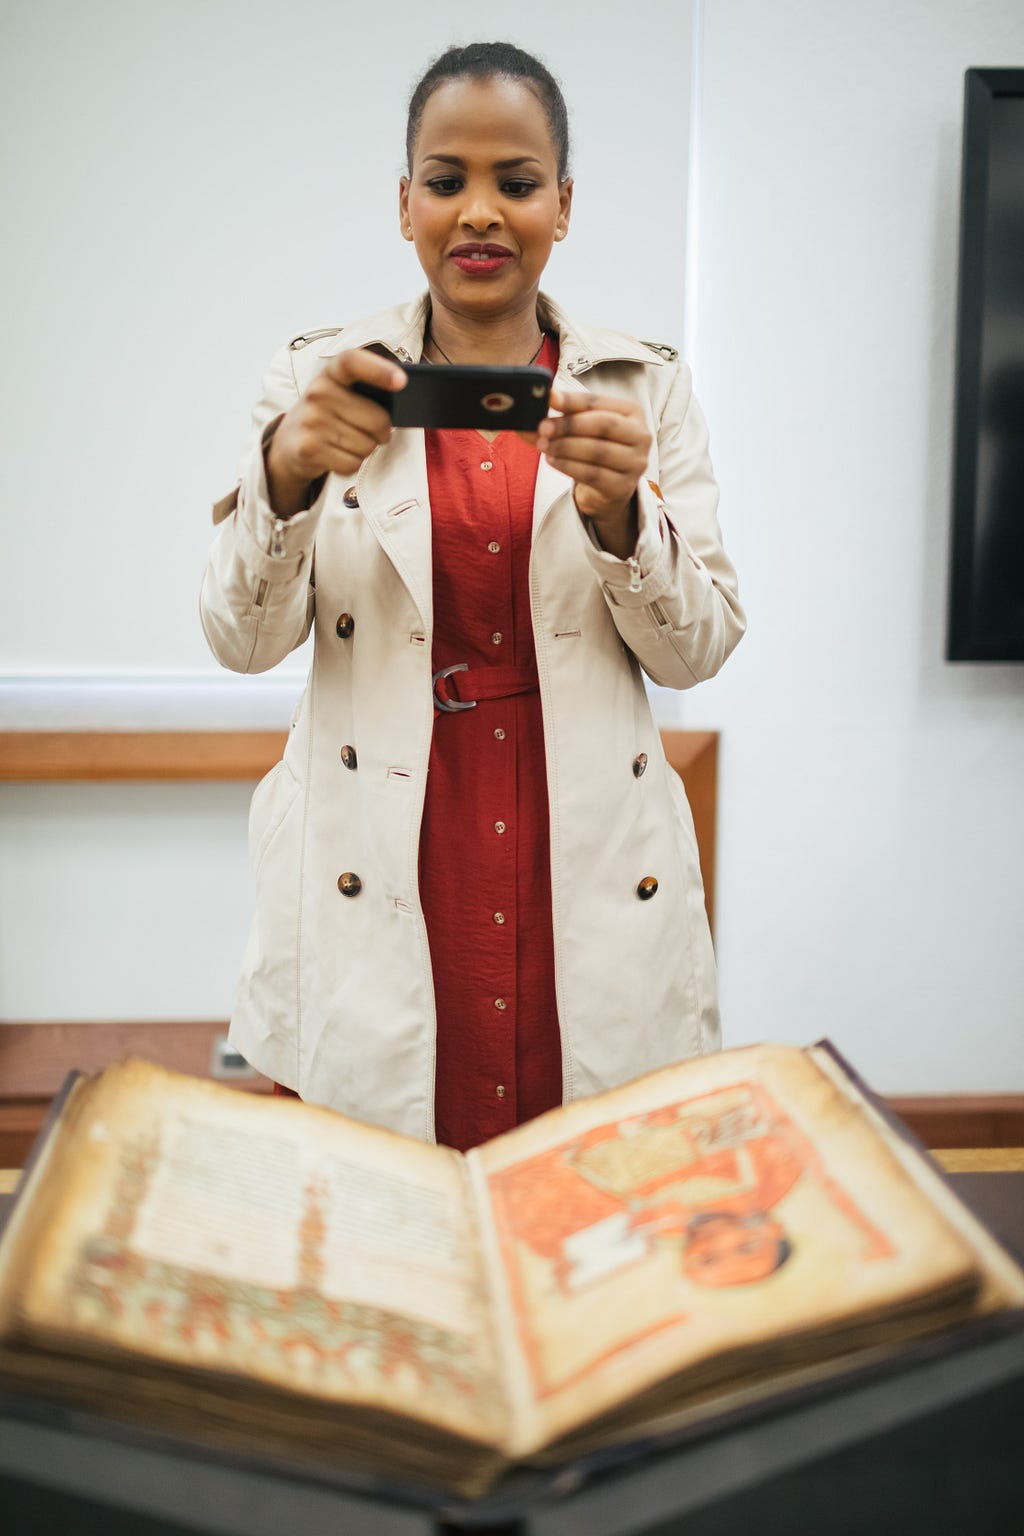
954 1160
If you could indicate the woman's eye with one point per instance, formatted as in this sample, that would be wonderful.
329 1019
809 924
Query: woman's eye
518 188
446 185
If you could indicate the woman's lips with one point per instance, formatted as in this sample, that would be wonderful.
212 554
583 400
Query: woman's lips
480 260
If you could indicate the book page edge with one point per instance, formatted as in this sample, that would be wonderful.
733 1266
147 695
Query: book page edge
997 1262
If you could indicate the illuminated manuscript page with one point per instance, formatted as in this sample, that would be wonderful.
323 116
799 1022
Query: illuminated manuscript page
275 1239
704 1207
1002 1278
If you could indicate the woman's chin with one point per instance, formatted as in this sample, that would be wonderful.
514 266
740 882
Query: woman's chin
495 293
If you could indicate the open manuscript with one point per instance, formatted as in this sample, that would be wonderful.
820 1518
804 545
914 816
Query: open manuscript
277 1276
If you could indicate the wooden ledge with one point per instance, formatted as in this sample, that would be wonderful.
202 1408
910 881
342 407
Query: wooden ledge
44 756
91 756
41 757
981 1159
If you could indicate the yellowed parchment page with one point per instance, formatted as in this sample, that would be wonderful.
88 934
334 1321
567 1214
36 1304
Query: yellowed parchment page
702 1208
274 1239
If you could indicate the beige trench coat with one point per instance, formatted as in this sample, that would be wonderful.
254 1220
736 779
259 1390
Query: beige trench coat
336 998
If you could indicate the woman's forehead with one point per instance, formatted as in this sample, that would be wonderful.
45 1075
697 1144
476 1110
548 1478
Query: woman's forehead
492 119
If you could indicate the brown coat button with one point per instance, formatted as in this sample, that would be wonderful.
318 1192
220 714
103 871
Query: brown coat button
350 498
345 625
348 757
349 884
647 887
639 764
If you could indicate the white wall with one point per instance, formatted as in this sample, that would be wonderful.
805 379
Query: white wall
871 828
191 183
187 185
871 876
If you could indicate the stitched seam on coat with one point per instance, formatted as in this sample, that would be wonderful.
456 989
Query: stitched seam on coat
554 843
422 768
673 638
254 642
311 717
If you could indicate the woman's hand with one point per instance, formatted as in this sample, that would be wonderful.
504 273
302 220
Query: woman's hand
330 429
603 443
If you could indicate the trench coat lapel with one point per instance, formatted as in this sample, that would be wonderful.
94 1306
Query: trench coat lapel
392 490
552 483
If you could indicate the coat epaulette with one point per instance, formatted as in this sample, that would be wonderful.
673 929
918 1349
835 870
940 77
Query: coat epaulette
304 338
670 354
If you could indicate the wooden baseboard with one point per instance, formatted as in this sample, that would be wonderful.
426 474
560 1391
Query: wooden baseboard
20 1123
965 1120
35 1059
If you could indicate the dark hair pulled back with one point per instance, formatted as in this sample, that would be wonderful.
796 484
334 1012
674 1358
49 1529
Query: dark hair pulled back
482 61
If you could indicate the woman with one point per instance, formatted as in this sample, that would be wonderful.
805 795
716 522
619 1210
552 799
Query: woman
467 914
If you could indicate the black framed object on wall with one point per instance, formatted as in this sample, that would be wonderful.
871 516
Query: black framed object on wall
986 589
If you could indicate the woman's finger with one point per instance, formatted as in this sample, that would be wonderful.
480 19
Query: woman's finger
597 450
616 484
340 407
605 424
570 402
336 390
358 365
348 438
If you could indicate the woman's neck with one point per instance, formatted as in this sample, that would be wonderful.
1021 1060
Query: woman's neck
502 339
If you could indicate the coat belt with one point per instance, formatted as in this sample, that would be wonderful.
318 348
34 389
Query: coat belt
460 687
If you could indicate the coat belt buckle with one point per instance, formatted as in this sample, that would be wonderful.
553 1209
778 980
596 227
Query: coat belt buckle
451 706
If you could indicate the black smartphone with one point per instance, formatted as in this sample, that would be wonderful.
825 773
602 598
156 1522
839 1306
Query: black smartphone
466 395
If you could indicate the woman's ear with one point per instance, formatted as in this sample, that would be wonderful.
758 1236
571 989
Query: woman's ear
404 222
564 209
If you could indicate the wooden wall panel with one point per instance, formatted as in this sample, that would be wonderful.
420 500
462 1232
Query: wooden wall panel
694 756
35 1059
49 756
967 1120
20 1123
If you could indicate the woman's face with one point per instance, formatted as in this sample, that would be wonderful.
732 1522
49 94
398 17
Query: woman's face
483 204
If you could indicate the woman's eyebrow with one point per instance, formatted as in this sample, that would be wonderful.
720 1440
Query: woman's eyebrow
499 165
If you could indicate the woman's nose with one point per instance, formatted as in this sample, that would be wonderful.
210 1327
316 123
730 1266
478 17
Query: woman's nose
479 211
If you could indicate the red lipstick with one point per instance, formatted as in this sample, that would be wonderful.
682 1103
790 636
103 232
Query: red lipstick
480 259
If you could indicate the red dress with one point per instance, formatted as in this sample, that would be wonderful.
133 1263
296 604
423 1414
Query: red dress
485 866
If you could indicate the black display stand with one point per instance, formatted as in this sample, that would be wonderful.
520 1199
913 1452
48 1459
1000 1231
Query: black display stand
935 1445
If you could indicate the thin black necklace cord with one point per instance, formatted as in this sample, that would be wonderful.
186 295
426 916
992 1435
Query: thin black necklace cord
431 338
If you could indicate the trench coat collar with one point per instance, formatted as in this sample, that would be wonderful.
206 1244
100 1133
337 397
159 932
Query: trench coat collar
391 485
400 331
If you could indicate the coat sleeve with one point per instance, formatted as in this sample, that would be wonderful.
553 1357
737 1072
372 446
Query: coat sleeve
676 602
256 602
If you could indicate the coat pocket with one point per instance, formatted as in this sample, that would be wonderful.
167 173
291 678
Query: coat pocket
271 802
